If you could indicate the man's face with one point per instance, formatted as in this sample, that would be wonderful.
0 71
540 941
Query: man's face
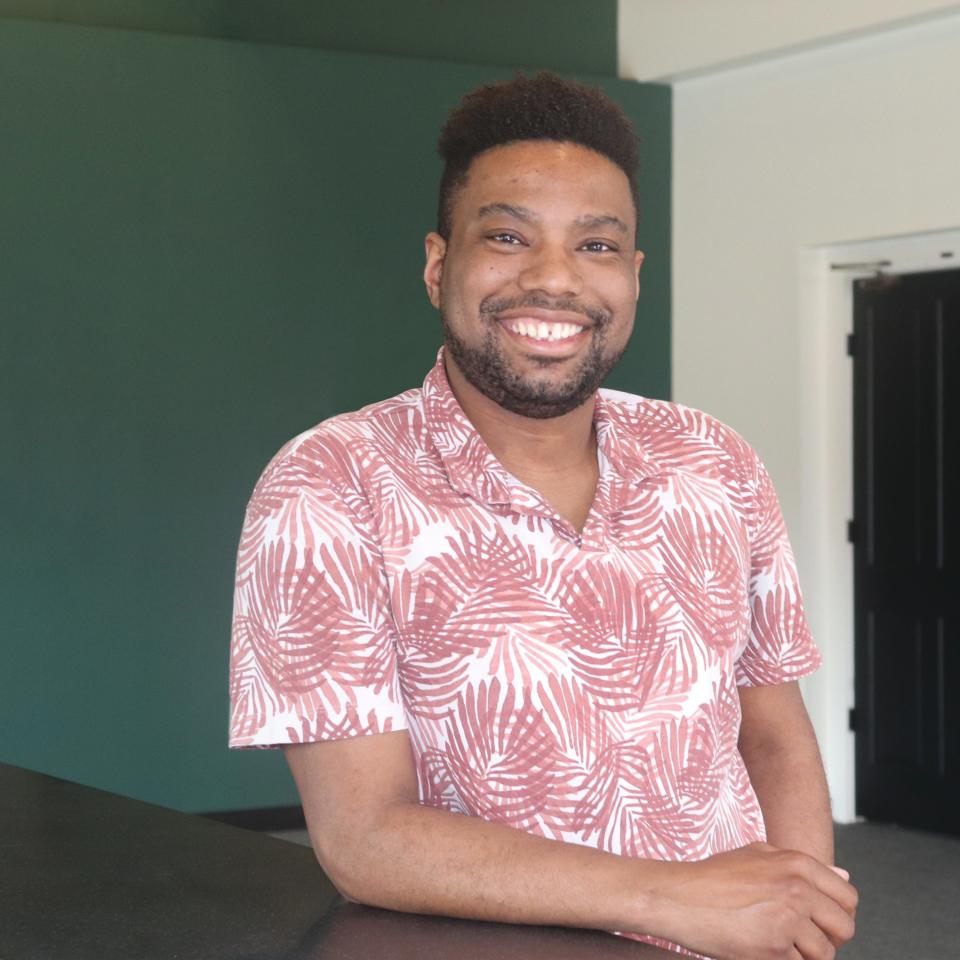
538 283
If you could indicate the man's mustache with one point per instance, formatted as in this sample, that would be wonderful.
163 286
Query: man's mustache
491 307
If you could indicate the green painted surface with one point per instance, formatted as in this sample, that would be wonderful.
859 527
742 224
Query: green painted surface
206 247
569 35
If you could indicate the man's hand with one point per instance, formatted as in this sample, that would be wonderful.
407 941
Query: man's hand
758 902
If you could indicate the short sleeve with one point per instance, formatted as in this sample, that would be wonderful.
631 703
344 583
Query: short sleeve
780 648
313 649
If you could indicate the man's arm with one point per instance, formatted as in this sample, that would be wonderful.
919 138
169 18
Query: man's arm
781 755
380 846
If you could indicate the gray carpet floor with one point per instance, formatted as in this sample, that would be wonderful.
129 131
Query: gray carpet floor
909 885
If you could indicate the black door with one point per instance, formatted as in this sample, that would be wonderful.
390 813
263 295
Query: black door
906 391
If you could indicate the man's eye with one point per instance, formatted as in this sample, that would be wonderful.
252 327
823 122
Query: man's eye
505 238
599 246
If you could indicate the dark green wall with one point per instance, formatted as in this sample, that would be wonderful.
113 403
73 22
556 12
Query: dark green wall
570 35
205 248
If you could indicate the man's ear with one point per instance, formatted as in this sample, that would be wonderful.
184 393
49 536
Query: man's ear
638 263
436 248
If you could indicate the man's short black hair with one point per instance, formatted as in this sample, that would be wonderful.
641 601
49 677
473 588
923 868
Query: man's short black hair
543 107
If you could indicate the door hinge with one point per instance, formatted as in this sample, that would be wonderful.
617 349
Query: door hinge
851 345
852 718
851 531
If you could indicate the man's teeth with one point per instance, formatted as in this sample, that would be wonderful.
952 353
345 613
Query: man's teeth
544 331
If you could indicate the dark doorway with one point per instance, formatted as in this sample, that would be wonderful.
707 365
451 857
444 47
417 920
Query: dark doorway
906 533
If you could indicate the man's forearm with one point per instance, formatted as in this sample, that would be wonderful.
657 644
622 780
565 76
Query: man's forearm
793 796
739 904
457 865
782 757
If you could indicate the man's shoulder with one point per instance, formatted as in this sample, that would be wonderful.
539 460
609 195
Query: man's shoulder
337 451
678 435
381 422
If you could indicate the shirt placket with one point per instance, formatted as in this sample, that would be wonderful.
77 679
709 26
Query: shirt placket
526 500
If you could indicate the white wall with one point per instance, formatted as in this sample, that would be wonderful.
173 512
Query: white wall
670 39
771 161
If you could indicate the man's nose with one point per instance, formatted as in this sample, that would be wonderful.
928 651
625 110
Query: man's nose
552 271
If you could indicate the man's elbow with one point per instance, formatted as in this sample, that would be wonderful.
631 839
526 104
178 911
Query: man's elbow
342 883
348 863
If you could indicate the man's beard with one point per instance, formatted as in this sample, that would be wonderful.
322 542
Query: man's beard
487 369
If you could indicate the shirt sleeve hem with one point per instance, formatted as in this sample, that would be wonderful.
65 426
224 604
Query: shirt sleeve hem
271 739
771 675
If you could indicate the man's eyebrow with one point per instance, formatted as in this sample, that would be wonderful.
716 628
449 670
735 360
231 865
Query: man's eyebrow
588 221
520 213
602 220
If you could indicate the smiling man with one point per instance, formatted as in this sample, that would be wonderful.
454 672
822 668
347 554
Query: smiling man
531 645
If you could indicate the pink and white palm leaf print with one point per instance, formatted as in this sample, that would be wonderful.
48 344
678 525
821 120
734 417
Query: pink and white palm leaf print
660 799
324 726
682 440
308 630
698 492
768 528
275 608
772 559
523 656
500 755
479 601
693 761
253 696
277 495
779 646
636 521
402 511
704 558
613 632
619 803
292 503
581 739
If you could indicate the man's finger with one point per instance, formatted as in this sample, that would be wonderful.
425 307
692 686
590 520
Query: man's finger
813 944
832 883
834 922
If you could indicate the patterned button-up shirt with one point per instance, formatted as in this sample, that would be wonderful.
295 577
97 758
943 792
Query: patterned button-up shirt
393 575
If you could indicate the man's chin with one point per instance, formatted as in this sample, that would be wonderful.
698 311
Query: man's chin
536 386
542 405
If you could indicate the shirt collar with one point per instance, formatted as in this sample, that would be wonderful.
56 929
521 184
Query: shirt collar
619 438
468 462
472 468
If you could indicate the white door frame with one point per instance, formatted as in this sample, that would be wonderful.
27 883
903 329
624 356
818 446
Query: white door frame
826 372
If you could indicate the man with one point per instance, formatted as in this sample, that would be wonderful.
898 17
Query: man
532 646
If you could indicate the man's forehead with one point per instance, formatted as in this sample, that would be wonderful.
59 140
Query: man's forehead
531 164
523 155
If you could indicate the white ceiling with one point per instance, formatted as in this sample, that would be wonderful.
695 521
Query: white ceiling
668 40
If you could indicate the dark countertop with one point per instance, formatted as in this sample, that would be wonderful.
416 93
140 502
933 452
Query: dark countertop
88 875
